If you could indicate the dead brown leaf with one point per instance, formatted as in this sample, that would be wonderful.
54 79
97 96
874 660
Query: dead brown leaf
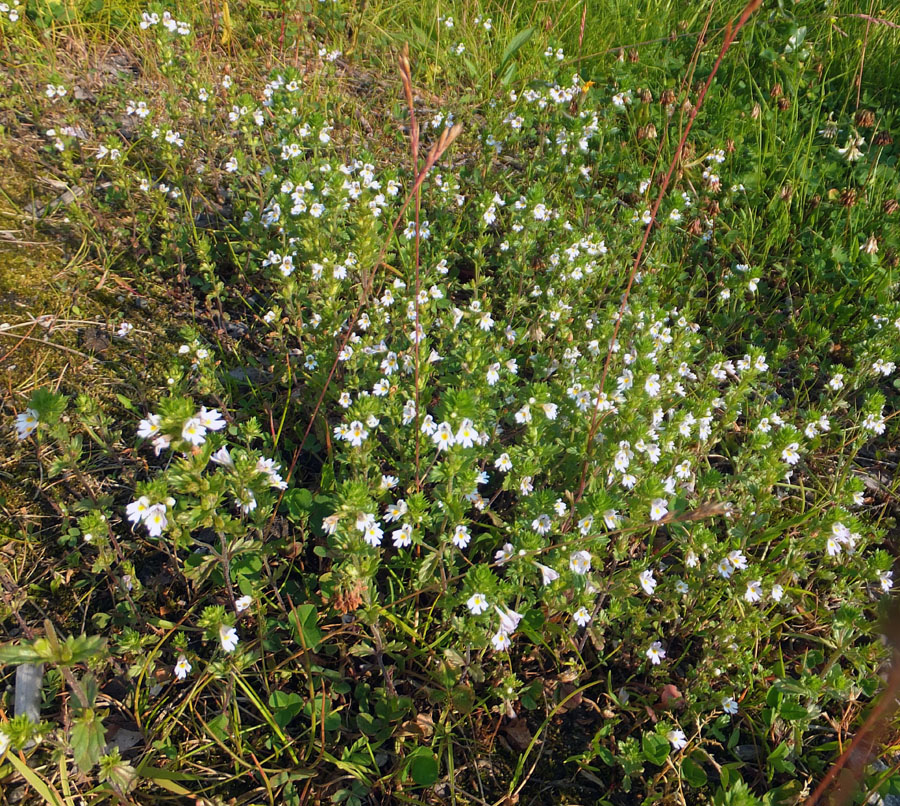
518 734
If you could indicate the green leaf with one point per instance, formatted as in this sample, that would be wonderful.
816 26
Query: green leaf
43 789
285 706
23 653
791 711
48 405
655 747
422 766
88 739
306 630
514 45
298 502
693 773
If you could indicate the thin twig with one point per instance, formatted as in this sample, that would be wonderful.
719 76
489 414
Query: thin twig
730 35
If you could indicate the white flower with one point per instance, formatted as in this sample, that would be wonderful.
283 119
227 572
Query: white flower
509 619
182 668
243 603
580 562
194 431
683 470
548 575
149 427
504 554
648 583
357 434
137 510
729 705
541 524
851 150
753 592
503 463
737 559
443 436
790 453
677 739
659 508
656 653
26 423
611 518
477 604
874 423
245 501
402 537
777 592
581 617
467 434
211 419
461 536
500 641
155 520
396 511
223 457
886 580
228 637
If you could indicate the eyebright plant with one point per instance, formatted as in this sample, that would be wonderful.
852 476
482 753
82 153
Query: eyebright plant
489 455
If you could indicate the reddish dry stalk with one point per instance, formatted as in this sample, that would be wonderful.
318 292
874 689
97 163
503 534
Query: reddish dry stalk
434 154
730 35
581 30
859 749
406 77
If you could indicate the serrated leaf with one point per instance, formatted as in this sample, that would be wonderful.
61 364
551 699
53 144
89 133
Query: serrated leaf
23 653
88 739
655 748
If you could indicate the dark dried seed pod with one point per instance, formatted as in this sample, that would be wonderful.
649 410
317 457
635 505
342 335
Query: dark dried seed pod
865 119
776 91
848 197
784 104
890 206
646 96
667 98
883 139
